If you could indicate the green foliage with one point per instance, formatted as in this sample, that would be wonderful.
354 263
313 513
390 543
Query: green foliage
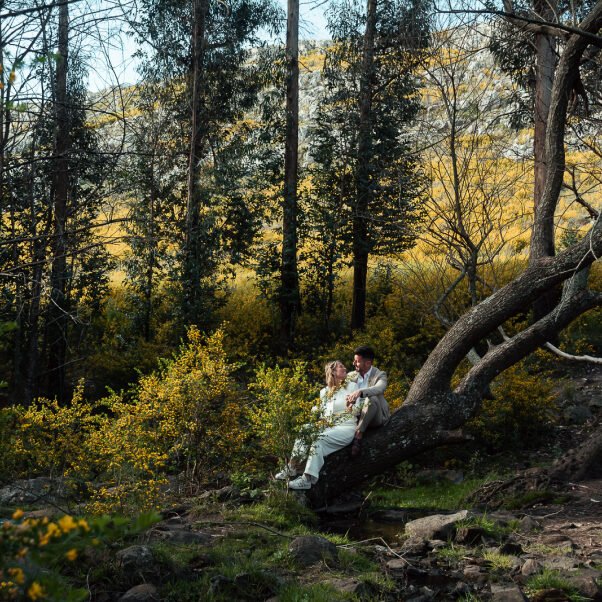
492 528
549 579
280 509
283 408
521 412
186 416
441 495
36 554
499 563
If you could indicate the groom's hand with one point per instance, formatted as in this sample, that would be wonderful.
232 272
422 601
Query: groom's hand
352 398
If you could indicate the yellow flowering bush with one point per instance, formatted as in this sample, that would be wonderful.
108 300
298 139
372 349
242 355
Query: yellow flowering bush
187 416
283 406
35 553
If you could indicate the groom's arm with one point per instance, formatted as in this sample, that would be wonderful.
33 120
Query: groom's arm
378 388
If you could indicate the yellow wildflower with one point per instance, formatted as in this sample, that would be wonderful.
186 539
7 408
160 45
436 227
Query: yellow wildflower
66 523
35 591
83 523
17 574
17 514
51 531
71 554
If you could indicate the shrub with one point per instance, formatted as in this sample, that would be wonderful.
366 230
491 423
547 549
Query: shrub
521 409
283 406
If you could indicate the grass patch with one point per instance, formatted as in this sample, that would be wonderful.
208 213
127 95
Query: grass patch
441 495
452 553
530 498
545 550
500 563
491 527
280 509
548 579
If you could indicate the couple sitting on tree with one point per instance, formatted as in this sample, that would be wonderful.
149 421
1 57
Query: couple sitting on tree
352 403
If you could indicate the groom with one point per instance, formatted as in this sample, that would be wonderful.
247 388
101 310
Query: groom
371 383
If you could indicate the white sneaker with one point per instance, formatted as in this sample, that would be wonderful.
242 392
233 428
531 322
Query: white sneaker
301 482
285 474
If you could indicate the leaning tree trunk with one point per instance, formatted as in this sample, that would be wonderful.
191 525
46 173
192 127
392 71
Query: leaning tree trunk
433 411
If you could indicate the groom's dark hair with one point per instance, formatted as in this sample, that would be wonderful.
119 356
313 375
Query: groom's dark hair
365 351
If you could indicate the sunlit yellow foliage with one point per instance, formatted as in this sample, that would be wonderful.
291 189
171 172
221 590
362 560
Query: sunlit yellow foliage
36 553
283 405
186 416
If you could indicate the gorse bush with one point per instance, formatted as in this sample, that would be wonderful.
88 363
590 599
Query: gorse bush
36 553
186 418
284 399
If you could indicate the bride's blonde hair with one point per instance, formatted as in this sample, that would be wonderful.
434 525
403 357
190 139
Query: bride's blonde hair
330 369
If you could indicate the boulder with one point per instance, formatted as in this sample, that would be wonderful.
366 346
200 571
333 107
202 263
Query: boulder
146 592
507 593
437 526
531 567
352 587
137 559
309 549
32 491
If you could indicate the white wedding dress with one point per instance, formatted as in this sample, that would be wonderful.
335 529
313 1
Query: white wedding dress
332 438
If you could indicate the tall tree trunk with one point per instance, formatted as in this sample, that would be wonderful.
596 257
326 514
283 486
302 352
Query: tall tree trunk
289 289
192 253
57 314
542 236
361 245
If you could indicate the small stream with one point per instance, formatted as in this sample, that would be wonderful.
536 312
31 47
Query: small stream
387 525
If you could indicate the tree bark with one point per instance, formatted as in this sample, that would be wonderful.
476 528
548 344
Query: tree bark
192 253
432 411
56 331
542 236
289 289
361 244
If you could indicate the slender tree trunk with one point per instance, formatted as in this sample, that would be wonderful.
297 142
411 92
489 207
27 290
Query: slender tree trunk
192 254
57 315
150 268
542 236
289 292
361 244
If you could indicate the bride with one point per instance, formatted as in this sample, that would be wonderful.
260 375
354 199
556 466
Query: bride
331 439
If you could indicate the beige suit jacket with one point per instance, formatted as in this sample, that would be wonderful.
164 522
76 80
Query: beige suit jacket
377 383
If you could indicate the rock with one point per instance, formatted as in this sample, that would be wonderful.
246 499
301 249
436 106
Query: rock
141 593
531 567
578 414
475 574
469 536
506 593
396 565
560 563
352 587
415 546
31 491
550 595
528 524
586 583
309 549
511 548
437 526
136 559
